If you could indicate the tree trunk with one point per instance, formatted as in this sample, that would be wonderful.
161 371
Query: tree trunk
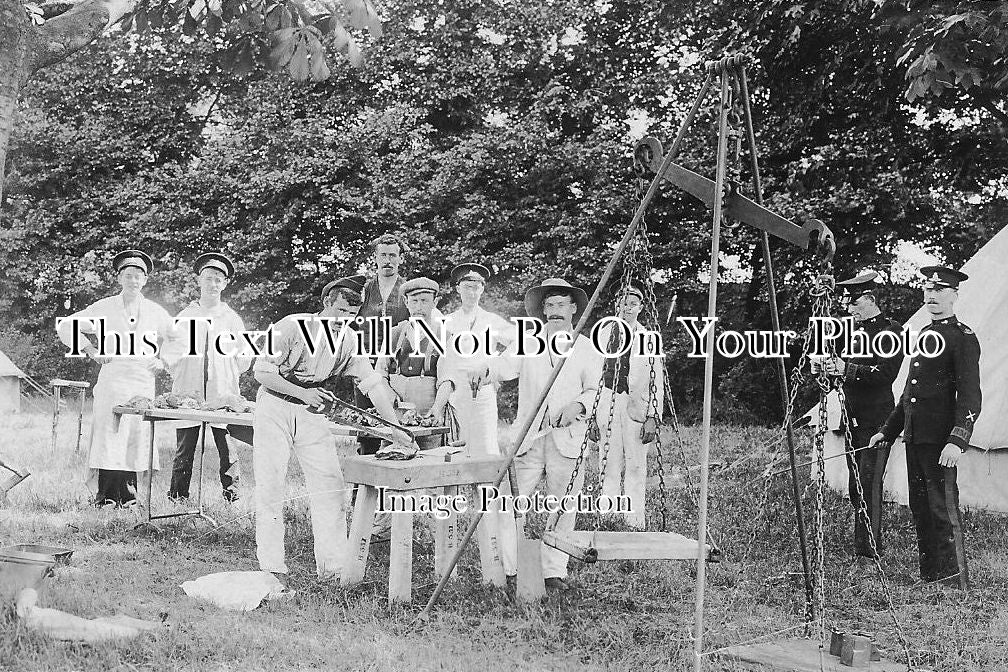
14 28
26 48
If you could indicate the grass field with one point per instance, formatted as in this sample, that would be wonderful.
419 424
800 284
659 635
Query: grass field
620 616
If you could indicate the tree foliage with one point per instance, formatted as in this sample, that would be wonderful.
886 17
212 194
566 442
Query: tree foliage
498 132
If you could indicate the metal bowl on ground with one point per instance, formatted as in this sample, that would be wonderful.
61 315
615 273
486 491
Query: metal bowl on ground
59 554
20 570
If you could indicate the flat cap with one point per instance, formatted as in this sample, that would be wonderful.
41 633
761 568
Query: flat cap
134 258
217 261
942 276
354 283
420 285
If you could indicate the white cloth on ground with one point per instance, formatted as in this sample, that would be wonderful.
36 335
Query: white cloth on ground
234 591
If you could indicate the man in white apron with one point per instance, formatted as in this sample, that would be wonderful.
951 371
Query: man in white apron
629 408
551 448
291 383
124 325
209 375
476 407
476 404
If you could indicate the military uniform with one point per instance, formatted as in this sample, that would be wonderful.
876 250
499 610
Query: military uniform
868 400
939 405
211 376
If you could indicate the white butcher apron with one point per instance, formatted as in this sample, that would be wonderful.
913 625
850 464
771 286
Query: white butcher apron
125 448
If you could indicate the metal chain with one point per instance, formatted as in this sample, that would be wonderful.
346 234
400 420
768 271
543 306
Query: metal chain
642 248
629 266
862 513
820 492
577 463
651 312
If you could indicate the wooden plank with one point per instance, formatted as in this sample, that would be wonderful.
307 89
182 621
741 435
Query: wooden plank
196 415
798 655
360 534
245 419
401 553
623 545
421 472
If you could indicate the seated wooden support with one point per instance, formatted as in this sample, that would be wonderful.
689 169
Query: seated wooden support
796 655
401 479
588 546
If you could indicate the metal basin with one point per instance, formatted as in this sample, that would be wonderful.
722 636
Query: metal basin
20 570
59 554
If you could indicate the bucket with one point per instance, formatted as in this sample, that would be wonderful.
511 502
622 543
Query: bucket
20 570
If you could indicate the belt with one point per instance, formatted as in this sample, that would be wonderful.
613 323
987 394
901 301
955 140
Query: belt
285 397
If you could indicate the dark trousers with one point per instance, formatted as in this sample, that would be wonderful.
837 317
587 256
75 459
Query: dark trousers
367 445
115 485
934 501
871 465
185 452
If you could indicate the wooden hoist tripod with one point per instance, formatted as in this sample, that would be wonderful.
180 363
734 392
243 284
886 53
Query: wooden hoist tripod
734 123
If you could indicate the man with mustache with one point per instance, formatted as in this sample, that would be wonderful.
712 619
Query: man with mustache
868 397
936 414
382 297
551 448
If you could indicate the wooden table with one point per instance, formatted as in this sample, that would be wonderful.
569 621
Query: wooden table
238 421
399 481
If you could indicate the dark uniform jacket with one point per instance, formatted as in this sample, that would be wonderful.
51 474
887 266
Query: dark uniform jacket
941 400
868 380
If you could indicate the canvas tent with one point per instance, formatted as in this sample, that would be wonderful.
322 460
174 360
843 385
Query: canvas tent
983 473
10 385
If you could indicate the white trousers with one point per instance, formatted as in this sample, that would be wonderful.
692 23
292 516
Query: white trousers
625 456
543 460
281 428
477 420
